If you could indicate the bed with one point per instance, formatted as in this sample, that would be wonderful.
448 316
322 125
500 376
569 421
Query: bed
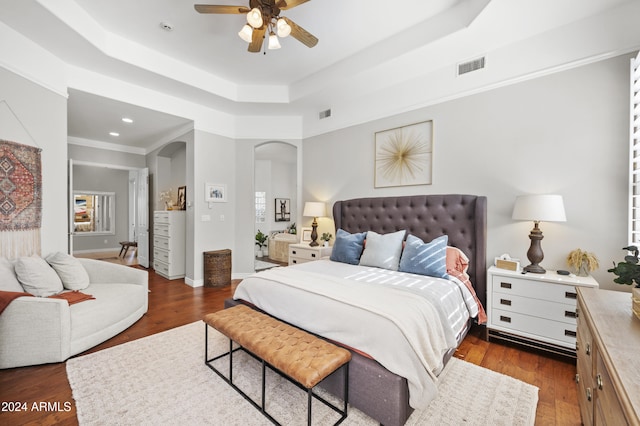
382 381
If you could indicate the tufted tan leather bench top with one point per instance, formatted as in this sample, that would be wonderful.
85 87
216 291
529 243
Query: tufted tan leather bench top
303 357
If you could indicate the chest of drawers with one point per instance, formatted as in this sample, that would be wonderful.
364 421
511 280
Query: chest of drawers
169 243
303 252
534 309
608 370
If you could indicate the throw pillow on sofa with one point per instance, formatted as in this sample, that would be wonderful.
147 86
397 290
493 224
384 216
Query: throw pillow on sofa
70 270
8 280
37 277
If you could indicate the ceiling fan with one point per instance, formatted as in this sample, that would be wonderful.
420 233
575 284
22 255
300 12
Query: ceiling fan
263 16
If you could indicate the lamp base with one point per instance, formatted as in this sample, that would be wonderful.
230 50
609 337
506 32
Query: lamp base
314 233
535 269
535 254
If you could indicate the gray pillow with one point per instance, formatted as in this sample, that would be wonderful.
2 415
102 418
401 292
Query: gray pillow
8 280
423 258
348 247
383 250
37 277
70 270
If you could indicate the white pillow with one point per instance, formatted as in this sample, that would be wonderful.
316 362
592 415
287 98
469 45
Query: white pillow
70 270
37 277
383 250
8 280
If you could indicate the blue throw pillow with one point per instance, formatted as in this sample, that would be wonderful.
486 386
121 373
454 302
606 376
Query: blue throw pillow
423 258
348 247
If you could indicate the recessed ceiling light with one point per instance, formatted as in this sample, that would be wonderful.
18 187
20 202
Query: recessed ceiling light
166 26
114 133
127 120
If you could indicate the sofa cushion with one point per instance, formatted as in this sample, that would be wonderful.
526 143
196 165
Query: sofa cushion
37 277
8 280
70 270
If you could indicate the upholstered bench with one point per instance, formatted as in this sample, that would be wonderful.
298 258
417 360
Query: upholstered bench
301 357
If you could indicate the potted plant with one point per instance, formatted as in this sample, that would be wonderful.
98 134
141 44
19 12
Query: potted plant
628 273
582 262
261 242
326 236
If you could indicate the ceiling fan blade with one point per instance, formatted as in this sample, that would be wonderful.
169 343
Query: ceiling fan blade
302 35
289 4
257 38
212 8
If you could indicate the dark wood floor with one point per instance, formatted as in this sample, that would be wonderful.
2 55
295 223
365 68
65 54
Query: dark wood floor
173 303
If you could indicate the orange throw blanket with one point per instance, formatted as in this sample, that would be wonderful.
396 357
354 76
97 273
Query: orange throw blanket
72 297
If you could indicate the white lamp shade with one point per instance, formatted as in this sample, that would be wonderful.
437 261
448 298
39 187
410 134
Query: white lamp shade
284 29
542 208
274 43
254 18
314 209
246 33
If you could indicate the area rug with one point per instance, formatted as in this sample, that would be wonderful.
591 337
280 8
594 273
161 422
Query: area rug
261 265
162 379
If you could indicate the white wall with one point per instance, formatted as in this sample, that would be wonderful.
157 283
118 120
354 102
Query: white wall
565 133
33 115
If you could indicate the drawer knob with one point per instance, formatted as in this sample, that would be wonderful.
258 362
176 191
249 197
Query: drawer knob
294 261
588 394
505 285
505 302
294 252
313 255
599 381
505 318
577 378
588 349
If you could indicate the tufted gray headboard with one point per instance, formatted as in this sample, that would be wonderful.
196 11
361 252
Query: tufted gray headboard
462 217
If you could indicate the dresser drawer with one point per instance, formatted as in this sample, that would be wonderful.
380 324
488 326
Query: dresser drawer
161 255
161 229
608 406
302 254
161 217
161 267
544 328
535 307
534 289
161 242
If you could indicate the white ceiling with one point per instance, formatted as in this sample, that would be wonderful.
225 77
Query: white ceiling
203 61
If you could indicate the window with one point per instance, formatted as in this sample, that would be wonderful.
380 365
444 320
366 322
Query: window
261 206
634 169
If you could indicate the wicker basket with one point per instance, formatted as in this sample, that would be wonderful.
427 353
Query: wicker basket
217 268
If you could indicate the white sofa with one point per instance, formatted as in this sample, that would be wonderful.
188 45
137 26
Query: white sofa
38 330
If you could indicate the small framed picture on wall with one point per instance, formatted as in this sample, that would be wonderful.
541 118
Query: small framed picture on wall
215 193
182 198
283 210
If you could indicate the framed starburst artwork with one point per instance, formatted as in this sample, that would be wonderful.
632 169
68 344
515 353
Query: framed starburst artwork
404 155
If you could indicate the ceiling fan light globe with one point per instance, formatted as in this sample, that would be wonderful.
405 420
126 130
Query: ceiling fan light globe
254 18
246 33
284 29
274 43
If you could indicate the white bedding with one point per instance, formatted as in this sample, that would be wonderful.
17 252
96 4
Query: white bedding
406 322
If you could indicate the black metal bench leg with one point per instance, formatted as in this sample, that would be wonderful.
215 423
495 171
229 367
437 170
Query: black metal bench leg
309 401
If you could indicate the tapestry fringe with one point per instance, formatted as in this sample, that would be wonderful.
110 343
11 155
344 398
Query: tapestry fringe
15 244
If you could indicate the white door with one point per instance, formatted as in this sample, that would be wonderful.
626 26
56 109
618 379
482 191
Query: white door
142 216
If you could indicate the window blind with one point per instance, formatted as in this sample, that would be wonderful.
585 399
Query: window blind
634 137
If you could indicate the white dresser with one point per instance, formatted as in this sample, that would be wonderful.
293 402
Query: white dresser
537 310
169 243
303 252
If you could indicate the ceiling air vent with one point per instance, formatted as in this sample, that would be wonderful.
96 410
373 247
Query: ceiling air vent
324 114
470 66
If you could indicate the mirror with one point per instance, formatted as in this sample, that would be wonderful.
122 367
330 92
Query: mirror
94 212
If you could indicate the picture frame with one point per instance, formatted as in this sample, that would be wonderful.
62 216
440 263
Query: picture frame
305 234
404 155
182 198
215 193
282 210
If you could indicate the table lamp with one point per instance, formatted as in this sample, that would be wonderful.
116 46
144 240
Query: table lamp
314 209
538 208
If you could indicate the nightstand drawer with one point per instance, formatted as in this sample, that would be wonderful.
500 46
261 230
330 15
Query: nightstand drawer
535 307
534 289
303 253
546 329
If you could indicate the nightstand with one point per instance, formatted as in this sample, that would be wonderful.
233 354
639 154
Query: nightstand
537 310
301 253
